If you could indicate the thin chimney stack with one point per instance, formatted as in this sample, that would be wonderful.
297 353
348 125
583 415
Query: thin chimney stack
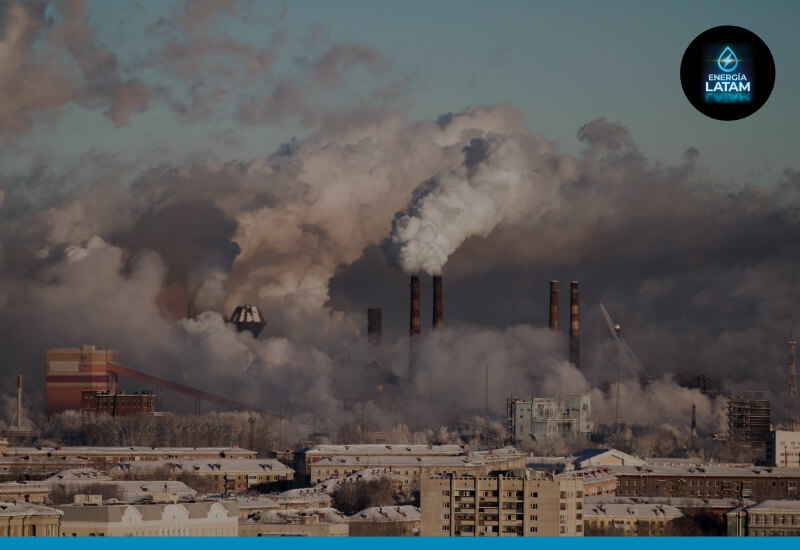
374 325
19 401
574 326
554 306
694 421
437 301
414 327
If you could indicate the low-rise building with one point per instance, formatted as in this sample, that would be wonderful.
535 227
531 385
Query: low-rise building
104 457
115 403
34 468
783 448
24 519
629 519
518 503
410 468
88 480
317 522
385 521
26 491
233 475
596 481
706 480
771 518
195 519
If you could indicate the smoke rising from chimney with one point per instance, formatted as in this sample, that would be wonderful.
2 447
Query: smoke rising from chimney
414 321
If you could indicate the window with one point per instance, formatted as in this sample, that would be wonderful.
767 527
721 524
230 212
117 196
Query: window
534 518
534 529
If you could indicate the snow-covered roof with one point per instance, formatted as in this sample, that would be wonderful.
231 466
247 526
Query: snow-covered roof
386 514
631 511
387 449
206 465
776 506
12 507
322 515
78 474
677 502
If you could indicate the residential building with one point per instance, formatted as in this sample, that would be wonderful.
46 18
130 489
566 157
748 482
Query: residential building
541 418
26 491
24 519
515 503
783 448
317 522
103 457
195 519
629 519
410 468
596 481
771 518
226 475
385 521
706 480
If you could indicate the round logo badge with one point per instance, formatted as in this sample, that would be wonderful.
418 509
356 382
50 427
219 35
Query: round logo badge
727 73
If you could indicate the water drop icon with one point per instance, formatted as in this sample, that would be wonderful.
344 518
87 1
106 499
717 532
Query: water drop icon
727 61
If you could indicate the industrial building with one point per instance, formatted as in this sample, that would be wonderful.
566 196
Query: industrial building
518 503
771 518
117 404
541 418
195 519
749 421
70 371
783 448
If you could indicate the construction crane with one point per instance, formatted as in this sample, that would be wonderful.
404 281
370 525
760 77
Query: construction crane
615 331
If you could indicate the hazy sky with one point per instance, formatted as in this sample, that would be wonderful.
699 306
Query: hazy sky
306 157
562 63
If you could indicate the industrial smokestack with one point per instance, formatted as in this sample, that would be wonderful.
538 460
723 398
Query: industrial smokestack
574 326
374 325
437 301
554 305
19 401
414 324
694 421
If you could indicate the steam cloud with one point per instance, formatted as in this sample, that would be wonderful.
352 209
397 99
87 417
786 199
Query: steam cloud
109 250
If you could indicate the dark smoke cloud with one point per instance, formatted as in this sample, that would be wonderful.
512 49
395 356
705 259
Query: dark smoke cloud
700 274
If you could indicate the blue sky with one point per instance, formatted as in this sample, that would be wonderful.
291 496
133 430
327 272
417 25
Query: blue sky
562 63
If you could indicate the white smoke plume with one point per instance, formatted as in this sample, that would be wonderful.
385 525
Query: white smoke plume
505 179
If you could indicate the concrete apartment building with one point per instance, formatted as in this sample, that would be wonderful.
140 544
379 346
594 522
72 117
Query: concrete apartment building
23 519
303 459
26 491
783 448
197 519
518 503
629 519
771 518
226 475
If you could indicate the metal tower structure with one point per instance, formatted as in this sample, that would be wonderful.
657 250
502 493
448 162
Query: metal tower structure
793 420
615 331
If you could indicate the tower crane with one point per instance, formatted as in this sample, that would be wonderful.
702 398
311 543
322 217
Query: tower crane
615 331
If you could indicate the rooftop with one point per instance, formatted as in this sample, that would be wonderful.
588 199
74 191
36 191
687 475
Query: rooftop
386 514
205 465
631 510
11 507
776 506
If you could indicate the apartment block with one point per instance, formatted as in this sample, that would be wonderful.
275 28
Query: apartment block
515 503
